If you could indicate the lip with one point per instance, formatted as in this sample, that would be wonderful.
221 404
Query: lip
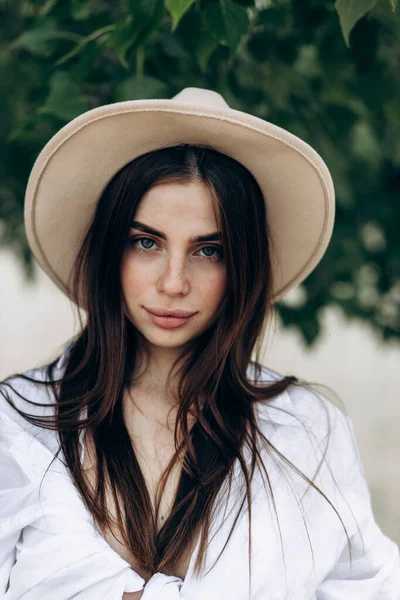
168 322
170 313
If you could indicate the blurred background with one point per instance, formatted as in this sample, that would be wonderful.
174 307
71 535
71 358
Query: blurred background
328 72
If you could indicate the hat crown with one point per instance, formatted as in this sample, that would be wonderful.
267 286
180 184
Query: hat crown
200 96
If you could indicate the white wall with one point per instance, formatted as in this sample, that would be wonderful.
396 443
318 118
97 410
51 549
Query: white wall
36 320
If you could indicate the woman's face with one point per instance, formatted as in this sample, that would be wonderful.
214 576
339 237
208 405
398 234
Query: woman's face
167 270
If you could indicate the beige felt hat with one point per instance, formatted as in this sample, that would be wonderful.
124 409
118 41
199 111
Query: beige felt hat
74 167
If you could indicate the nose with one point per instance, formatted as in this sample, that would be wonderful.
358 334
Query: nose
174 278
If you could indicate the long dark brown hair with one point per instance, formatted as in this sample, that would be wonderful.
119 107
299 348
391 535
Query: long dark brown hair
101 361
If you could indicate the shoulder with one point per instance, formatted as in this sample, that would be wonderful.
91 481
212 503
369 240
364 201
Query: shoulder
26 392
300 403
308 427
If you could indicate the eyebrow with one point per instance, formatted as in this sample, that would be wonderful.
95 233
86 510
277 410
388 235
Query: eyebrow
209 237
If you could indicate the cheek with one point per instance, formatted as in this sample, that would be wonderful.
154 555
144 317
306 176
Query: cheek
214 288
132 278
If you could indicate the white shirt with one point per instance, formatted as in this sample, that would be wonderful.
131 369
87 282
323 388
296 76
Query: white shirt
50 548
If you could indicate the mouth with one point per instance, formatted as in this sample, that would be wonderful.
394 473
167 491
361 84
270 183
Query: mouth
178 314
168 321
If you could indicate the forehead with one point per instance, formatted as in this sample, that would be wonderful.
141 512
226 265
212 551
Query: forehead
177 199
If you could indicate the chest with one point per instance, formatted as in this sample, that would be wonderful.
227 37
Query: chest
153 460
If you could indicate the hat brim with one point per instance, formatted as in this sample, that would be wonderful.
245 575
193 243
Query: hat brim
74 167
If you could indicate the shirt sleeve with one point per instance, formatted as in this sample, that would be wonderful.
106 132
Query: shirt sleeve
48 542
374 571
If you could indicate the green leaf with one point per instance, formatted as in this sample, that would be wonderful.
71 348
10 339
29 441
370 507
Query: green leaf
172 46
144 19
393 4
153 25
365 144
36 40
177 9
140 87
46 7
351 11
144 13
79 9
263 4
143 10
81 45
23 129
227 21
65 100
204 47
197 38
307 62
123 37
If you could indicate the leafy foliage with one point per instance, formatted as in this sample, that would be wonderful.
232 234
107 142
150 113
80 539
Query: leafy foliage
328 72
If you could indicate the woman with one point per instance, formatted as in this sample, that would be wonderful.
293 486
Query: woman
156 444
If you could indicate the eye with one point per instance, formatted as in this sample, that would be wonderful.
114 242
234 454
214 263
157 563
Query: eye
134 242
217 249
144 244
